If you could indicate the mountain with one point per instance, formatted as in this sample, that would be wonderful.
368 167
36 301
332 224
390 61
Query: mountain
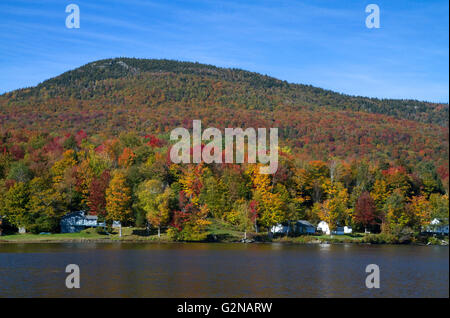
268 92
110 96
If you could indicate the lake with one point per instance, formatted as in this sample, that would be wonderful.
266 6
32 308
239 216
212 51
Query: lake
222 270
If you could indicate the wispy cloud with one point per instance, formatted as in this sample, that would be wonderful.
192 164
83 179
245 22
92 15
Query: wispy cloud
318 42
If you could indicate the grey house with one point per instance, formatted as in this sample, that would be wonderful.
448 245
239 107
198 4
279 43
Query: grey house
304 227
77 221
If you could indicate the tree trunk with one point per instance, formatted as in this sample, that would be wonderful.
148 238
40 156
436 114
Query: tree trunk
159 232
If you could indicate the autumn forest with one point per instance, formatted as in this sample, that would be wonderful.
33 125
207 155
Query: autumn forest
97 139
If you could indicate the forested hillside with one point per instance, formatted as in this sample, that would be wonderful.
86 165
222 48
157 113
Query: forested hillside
96 138
194 80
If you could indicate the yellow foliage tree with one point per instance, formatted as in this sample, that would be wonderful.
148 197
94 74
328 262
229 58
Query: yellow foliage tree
334 209
118 200
421 209
380 193
60 167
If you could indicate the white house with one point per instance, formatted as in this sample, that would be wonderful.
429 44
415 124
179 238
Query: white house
297 227
323 226
437 227
279 229
340 230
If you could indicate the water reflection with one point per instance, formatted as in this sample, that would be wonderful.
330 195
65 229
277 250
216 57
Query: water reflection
222 270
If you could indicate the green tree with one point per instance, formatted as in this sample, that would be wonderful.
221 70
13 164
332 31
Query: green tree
396 212
16 205
335 209
155 201
439 207
243 216
46 207
214 195
19 172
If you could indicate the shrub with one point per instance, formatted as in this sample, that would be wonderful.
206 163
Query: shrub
100 230
434 241
382 238
260 237
89 231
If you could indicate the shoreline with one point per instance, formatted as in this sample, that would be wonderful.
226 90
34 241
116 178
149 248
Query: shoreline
151 241
217 234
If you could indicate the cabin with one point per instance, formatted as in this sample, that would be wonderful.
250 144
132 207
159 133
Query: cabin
437 227
304 227
77 221
297 227
323 227
340 230
280 229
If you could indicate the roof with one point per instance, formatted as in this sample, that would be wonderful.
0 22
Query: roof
81 214
305 223
74 213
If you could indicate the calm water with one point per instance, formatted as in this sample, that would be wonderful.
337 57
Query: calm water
222 270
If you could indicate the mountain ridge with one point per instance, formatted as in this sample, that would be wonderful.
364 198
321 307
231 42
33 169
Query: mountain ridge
69 83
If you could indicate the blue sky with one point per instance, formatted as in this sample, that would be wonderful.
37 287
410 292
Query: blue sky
323 43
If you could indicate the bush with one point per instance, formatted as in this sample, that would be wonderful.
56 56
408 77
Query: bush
382 238
187 234
100 230
260 237
89 230
305 239
396 236
43 224
94 230
434 241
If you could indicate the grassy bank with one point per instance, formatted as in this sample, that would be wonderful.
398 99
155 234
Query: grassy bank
219 231
308 239
90 235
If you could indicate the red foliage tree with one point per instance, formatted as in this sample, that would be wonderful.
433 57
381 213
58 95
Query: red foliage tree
97 199
17 152
80 136
154 141
365 210
254 213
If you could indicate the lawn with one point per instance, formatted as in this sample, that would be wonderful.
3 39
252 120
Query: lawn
219 231
223 231
128 234
50 237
